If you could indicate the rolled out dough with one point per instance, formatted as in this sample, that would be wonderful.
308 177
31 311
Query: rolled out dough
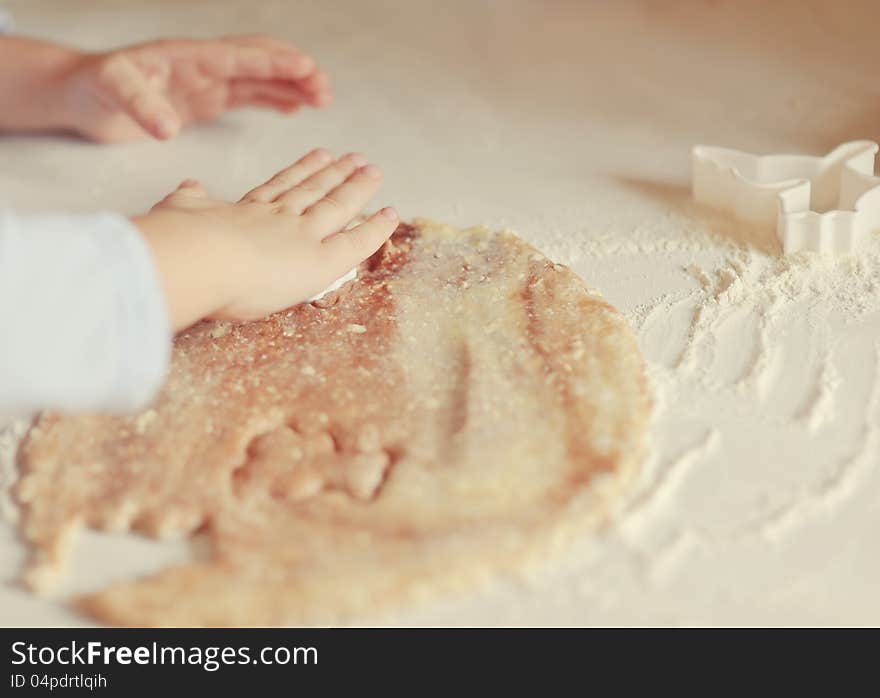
463 406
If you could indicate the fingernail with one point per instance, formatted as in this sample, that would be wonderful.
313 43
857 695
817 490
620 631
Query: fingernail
357 159
300 66
321 154
389 212
190 183
372 172
166 126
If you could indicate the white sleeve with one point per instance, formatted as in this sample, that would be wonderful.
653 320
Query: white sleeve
85 325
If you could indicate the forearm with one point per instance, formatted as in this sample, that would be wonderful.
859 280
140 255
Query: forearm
32 74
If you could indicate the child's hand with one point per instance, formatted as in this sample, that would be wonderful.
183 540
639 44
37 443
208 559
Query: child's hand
158 87
281 244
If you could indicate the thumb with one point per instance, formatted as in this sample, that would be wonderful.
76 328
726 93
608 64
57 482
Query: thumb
191 187
187 189
132 92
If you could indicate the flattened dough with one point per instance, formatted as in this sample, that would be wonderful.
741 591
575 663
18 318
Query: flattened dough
465 405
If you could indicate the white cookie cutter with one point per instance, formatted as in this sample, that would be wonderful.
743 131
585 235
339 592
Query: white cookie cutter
336 284
822 204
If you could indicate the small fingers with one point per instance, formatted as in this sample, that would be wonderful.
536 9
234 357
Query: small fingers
290 177
348 248
255 62
336 209
260 93
280 106
314 188
313 82
227 60
287 61
132 90
188 188
316 89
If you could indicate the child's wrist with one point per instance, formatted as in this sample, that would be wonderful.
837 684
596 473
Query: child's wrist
48 89
189 261
71 87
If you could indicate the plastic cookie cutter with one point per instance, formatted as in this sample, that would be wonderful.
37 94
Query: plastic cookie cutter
822 204
335 285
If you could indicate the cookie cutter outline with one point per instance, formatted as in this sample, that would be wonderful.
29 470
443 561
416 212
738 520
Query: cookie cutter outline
821 204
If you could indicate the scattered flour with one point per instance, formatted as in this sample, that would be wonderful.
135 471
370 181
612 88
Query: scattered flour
668 478
841 482
738 274
11 432
819 410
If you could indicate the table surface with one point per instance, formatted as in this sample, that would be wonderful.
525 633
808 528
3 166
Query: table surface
571 123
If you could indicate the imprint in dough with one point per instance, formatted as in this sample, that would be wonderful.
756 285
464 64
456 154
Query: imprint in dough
465 404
